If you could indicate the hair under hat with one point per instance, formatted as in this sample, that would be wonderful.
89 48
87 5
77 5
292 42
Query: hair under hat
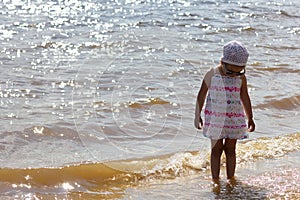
235 53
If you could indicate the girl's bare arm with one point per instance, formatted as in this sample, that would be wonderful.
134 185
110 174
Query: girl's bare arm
201 98
247 104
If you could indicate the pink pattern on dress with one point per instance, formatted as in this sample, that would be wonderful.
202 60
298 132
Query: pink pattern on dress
224 113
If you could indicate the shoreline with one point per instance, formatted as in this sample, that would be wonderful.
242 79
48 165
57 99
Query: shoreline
263 179
179 176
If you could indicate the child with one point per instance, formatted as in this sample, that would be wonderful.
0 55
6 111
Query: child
227 103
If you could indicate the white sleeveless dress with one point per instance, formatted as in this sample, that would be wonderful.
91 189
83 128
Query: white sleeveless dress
224 115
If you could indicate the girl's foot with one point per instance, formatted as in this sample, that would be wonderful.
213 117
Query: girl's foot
216 186
232 181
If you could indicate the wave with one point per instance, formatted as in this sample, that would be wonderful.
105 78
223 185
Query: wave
148 102
137 104
266 148
286 14
98 178
289 103
282 68
37 133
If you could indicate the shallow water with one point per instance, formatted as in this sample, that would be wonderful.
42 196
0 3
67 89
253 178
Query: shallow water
271 179
86 83
266 168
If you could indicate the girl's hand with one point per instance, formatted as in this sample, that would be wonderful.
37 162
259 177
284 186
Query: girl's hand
198 123
251 125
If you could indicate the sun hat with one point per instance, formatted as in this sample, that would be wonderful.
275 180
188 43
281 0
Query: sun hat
235 53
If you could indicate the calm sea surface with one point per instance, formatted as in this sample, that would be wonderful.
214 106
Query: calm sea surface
97 97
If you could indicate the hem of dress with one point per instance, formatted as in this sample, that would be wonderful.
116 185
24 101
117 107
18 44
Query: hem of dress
242 138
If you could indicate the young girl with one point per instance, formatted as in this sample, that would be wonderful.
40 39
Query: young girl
227 102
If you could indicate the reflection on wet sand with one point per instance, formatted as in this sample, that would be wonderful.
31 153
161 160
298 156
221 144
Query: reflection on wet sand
236 189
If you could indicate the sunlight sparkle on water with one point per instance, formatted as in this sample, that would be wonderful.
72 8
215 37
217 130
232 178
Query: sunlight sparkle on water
67 186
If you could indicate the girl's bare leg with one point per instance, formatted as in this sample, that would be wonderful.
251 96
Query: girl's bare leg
216 152
229 148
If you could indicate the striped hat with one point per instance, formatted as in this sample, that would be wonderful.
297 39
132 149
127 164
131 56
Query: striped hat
235 53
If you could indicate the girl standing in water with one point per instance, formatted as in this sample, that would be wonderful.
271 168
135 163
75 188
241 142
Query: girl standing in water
227 105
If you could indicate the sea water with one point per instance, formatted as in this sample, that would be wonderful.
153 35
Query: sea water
97 97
